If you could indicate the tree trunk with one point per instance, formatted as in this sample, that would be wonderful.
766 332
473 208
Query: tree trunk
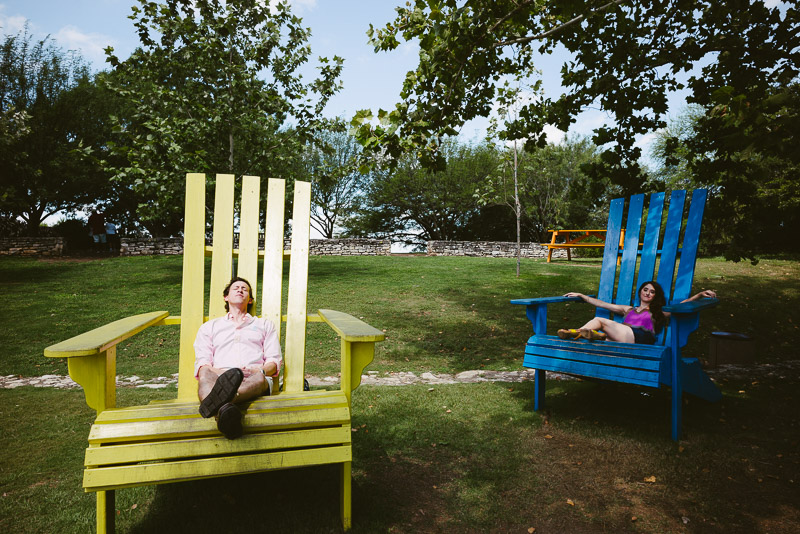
517 209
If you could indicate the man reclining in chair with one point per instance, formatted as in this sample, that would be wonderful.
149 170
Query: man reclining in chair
237 357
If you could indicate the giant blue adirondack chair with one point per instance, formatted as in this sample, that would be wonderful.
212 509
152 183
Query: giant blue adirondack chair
647 365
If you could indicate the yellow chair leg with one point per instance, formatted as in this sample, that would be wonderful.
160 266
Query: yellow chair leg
106 512
347 518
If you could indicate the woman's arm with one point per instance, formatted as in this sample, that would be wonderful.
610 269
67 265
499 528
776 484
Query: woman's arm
597 303
707 293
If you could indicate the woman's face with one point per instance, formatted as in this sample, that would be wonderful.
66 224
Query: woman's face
647 294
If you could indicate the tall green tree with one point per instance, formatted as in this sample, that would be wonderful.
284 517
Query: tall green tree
212 88
738 59
331 163
552 188
48 110
412 204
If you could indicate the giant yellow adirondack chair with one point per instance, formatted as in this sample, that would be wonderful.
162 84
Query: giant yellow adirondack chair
169 441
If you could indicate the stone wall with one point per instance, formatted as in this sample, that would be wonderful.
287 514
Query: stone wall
31 246
351 247
318 247
493 249
150 246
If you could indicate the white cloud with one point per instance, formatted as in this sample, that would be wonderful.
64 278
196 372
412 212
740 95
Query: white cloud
91 45
11 25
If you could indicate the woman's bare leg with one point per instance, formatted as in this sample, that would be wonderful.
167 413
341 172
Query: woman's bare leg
614 330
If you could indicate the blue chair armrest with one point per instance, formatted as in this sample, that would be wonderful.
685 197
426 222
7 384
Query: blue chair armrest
544 300
694 306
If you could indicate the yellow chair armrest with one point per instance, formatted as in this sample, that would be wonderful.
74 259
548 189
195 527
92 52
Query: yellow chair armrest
358 346
100 339
91 356
350 328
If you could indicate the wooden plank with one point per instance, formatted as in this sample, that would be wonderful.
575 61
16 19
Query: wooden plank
609 269
247 265
192 427
669 247
349 328
193 286
616 374
627 267
107 478
222 259
691 239
647 264
611 359
100 339
273 253
188 410
298 284
599 347
119 454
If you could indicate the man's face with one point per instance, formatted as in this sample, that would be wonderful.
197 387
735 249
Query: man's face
238 295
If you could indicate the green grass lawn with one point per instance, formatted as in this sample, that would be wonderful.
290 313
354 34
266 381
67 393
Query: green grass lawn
454 458
440 314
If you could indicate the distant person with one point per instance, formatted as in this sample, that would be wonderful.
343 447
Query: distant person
97 227
237 358
112 237
640 324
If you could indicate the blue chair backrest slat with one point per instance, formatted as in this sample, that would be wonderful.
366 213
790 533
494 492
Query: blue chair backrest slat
630 252
669 248
609 270
691 238
647 264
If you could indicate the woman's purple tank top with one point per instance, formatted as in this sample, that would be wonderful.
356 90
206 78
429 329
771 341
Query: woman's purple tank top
642 320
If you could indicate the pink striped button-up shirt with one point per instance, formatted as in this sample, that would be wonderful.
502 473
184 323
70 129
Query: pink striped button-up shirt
224 344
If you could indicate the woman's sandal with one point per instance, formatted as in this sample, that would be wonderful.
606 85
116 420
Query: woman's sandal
569 333
592 335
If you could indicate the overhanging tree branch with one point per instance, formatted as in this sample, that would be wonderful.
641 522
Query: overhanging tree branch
551 31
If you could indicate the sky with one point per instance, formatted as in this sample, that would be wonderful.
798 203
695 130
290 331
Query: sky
371 80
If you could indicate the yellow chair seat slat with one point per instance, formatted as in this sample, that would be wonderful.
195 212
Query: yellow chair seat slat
180 471
120 454
192 426
161 410
98 340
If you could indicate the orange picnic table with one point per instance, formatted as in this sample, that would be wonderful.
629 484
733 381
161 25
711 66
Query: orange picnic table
577 239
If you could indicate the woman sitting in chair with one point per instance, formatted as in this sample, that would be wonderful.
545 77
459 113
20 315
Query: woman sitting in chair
640 324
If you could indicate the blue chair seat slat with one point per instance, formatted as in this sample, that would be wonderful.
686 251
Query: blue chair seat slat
605 372
601 349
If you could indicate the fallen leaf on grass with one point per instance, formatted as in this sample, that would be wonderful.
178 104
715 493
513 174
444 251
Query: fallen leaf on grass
570 502
134 506
531 530
548 436
650 479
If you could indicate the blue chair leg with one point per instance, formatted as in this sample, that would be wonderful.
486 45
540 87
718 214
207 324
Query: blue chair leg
539 383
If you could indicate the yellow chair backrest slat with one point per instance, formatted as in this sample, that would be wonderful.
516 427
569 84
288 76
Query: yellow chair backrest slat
294 355
193 282
247 266
272 290
221 262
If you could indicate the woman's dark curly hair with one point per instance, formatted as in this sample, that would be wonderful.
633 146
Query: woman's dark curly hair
656 305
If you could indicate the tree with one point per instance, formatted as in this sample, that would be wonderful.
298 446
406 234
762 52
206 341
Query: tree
211 89
332 163
47 109
738 59
552 189
770 215
412 204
